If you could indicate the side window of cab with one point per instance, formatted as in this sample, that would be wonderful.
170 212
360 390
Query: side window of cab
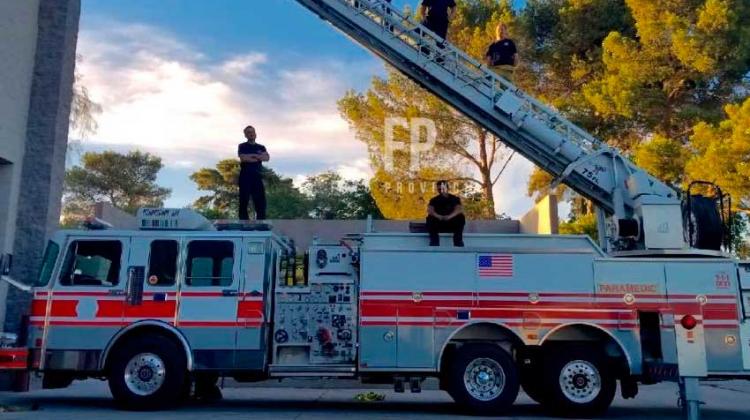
210 263
92 263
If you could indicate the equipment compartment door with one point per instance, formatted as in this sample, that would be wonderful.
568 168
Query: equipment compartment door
744 271
707 290
416 337
208 300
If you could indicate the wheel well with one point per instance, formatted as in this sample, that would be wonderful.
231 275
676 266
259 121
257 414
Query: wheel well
483 332
144 330
588 334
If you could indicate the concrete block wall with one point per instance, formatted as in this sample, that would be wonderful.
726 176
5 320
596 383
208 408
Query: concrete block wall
542 218
36 203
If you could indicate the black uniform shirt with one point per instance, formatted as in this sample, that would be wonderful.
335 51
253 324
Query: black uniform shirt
250 169
444 205
501 53
437 10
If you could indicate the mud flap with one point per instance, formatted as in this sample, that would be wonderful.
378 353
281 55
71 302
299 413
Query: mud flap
14 372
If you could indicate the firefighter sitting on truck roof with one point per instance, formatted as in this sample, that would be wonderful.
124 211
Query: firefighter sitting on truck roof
445 215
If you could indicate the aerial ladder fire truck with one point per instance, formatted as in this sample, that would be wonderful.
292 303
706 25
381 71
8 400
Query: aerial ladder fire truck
181 302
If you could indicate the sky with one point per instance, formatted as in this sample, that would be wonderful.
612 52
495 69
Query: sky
182 78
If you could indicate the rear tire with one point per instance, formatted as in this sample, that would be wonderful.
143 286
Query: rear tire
148 373
483 379
578 382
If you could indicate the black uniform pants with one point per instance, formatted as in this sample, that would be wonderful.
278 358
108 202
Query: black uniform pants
252 188
454 226
440 27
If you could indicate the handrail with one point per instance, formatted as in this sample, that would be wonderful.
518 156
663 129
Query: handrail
463 66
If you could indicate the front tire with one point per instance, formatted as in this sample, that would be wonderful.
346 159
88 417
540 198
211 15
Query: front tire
483 379
578 382
148 373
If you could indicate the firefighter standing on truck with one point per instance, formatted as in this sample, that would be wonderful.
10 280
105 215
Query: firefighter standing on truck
252 155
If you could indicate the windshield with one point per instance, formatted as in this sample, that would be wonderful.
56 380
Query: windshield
48 264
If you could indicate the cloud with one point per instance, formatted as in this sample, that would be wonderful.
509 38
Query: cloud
510 190
244 65
356 170
163 96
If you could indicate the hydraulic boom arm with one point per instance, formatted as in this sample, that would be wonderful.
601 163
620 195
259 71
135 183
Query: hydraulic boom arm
641 211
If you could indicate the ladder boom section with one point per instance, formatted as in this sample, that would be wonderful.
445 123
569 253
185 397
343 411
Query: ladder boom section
539 133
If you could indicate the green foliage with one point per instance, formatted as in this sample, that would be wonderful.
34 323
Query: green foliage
126 181
721 154
284 200
332 197
325 196
651 77
583 225
663 157
681 67
738 226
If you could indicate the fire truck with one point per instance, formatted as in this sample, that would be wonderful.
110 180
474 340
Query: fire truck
155 310
181 302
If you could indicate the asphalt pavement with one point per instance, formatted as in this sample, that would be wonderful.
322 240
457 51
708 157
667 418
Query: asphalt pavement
323 400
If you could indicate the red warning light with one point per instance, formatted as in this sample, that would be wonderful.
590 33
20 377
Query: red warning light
688 322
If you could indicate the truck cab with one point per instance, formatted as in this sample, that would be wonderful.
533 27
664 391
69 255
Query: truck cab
191 294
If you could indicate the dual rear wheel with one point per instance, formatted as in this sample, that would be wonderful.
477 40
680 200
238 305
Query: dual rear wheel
572 382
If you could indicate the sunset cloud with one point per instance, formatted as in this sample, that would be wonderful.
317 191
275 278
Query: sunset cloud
161 95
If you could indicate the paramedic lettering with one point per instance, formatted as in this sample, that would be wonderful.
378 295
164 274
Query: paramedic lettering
495 265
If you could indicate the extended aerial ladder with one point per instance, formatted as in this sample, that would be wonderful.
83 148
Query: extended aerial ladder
638 214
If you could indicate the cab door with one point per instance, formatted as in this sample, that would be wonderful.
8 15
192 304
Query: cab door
252 313
85 305
208 300
156 297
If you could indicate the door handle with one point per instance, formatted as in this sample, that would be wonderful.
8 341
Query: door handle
229 292
117 292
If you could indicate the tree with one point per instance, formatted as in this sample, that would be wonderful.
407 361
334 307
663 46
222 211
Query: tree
581 225
464 151
284 200
83 113
83 110
561 50
683 65
126 181
323 196
721 152
332 197
649 77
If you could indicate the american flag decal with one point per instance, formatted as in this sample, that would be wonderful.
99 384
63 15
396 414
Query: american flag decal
495 265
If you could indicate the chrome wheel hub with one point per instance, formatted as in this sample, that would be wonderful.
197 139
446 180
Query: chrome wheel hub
145 374
580 381
484 379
